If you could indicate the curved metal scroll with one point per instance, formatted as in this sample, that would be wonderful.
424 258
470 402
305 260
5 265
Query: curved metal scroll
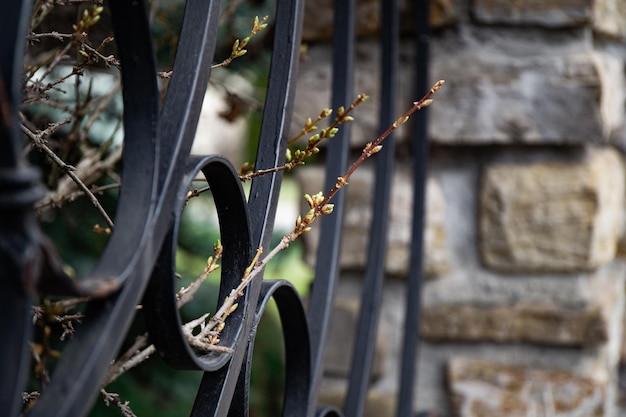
160 302
138 261
19 237
155 163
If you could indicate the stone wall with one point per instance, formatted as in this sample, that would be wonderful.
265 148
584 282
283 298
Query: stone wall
523 306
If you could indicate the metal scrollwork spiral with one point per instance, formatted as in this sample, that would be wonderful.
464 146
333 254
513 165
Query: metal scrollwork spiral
137 264
138 260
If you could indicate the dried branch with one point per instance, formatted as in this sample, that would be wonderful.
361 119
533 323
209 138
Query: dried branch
40 142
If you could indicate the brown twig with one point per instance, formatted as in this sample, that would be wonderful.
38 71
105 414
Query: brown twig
39 141
319 205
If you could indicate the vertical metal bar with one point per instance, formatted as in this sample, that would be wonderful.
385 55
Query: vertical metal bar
15 21
276 119
364 345
326 270
408 362
19 234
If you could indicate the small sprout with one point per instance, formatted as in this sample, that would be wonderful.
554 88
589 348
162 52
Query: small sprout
309 200
217 247
328 208
427 103
318 198
437 86
401 120
309 216
341 182
347 119
332 132
220 327
306 229
246 168
340 111
325 113
288 155
298 222
375 149
101 230
313 140
232 309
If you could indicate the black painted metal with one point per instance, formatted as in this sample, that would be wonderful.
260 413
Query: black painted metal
138 262
363 351
414 280
327 267
20 257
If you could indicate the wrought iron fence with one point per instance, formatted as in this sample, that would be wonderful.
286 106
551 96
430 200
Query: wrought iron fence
138 260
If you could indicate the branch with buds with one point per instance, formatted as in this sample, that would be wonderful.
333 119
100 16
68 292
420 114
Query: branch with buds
319 206
207 337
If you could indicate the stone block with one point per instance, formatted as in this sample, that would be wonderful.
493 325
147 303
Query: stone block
314 85
552 217
609 18
378 404
338 359
562 312
541 324
319 17
480 388
553 13
521 96
358 216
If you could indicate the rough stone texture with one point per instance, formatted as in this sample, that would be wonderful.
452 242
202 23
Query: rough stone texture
525 97
378 404
314 84
543 324
359 216
485 389
553 13
338 357
319 17
556 217
609 17
604 289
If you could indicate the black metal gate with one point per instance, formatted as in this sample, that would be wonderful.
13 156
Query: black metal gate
157 170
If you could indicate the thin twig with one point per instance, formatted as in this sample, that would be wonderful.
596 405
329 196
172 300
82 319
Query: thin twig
319 206
373 147
38 140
